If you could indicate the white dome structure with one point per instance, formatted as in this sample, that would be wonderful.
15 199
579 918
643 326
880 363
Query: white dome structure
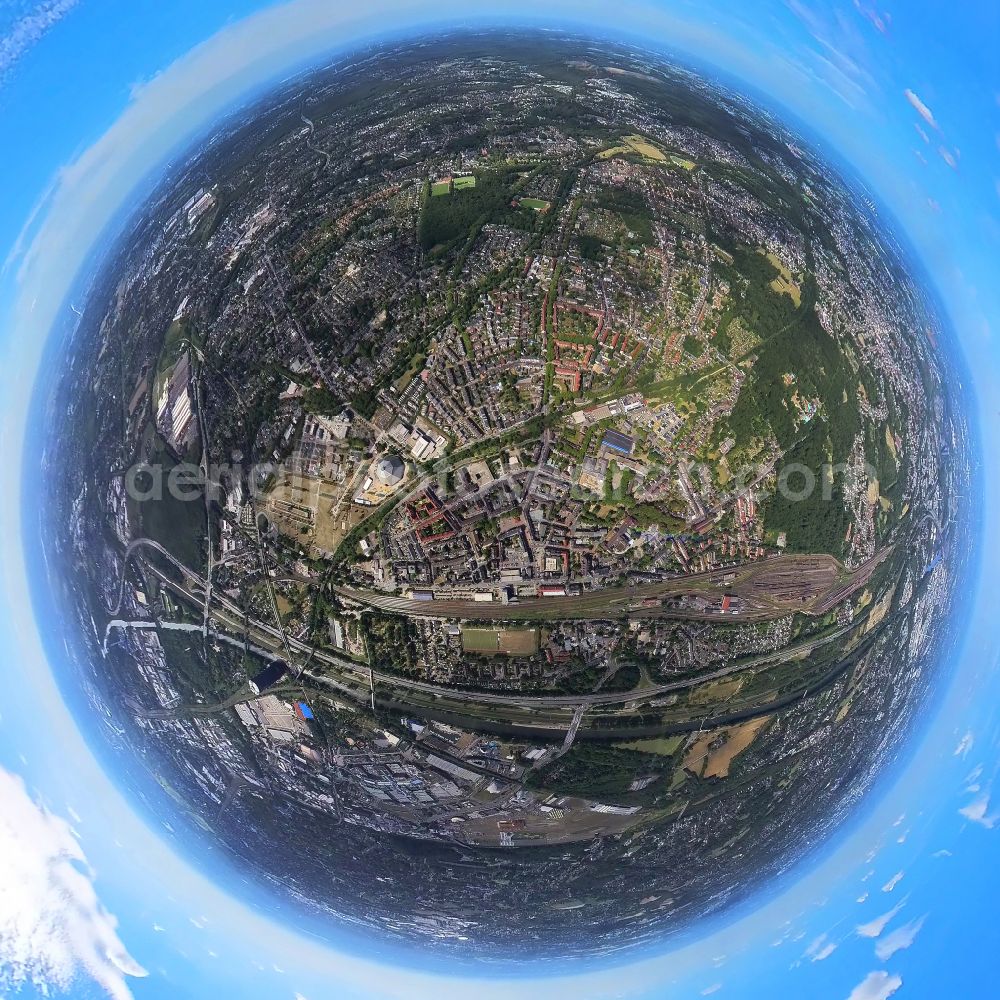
390 470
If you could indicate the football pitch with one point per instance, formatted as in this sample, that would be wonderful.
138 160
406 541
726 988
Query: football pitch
508 641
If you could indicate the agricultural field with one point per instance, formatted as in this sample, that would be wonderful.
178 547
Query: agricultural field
713 753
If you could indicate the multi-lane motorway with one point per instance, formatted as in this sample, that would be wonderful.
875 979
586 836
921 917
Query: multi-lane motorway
354 679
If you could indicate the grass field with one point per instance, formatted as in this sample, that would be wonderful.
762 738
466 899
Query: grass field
462 183
719 690
634 144
416 363
783 284
175 342
536 204
890 442
679 161
665 746
644 147
507 641
440 188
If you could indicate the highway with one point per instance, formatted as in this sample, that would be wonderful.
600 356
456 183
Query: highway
266 637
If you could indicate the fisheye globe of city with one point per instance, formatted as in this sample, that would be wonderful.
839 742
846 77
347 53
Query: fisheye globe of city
505 490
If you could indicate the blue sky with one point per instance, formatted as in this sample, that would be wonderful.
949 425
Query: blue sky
92 97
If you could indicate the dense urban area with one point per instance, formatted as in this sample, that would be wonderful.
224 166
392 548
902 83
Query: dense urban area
513 492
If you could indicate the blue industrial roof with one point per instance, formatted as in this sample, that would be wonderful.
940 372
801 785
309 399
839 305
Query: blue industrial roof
618 441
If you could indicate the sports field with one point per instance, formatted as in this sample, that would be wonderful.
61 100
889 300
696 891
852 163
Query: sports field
506 641
537 204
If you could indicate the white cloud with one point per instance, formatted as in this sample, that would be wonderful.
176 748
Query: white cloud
875 927
893 882
840 59
879 21
53 928
820 949
709 990
949 157
898 939
978 810
27 30
876 986
964 745
921 108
